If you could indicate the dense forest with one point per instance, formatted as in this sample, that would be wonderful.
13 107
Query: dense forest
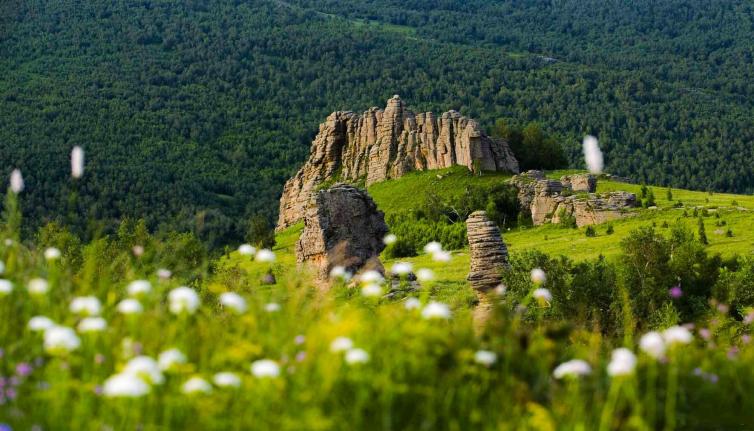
193 113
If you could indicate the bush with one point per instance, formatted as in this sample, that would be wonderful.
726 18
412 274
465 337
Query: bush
590 232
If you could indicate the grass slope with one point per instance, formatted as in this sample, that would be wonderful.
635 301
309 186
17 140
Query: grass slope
407 193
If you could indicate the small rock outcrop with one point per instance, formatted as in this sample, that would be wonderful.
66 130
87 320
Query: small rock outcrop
342 227
549 201
382 144
489 256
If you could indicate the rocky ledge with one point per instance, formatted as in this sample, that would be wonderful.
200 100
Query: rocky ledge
382 144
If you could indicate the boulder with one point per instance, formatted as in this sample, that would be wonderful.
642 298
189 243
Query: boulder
489 256
383 144
580 183
342 227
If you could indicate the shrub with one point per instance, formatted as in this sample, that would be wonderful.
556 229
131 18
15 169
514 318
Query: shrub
590 232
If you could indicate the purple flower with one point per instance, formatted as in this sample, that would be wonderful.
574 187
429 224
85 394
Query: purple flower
723 308
746 338
300 356
713 378
98 390
705 333
23 369
675 292
732 352
11 393
5 427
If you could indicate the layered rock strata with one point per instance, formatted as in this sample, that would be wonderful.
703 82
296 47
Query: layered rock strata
342 227
489 256
382 144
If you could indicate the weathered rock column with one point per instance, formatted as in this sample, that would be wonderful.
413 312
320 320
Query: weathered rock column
342 226
489 256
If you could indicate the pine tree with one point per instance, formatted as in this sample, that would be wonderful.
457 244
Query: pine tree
670 194
702 232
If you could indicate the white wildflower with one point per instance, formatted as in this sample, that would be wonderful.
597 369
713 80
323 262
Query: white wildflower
125 385
38 286
485 357
572 368
164 274
441 256
196 385
652 344
340 272
130 306
183 300
341 344
16 181
356 356
146 368
593 155
371 290
390 239
247 250
86 305
92 324
226 380
436 310
272 307
412 303
170 358
137 250
77 162
60 340
401 268
6 286
677 335
234 302
52 253
425 275
538 276
542 295
433 247
265 368
371 276
622 363
139 287
500 289
40 323
265 255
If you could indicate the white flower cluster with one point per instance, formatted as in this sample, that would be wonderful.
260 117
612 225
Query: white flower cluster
434 249
353 355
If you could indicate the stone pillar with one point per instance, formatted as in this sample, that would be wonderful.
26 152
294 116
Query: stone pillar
489 256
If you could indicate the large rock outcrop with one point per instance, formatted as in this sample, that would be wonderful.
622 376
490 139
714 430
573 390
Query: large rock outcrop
382 144
489 256
342 227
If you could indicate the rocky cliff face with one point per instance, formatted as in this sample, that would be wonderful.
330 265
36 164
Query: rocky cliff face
382 144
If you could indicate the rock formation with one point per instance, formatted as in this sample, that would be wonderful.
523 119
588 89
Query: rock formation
551 200
489 256
382 144
343 227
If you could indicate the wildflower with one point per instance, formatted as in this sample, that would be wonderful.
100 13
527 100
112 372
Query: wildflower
436 310
196 385
52 253
92 324
146 368
6 287
226 380
272 307
542 295
23 369
538 276
77 162
341 344
339 272
125 385
60 340
652 344
412 303
356 356
40 323
2 267
401 268
183 300
16 181
130 306
425 274
441 256
593 155
234 302
168 359
485 357
677 335
390 239
371 290
675 292
137 250
265 255
164 274
433 247
371 276
500 289
299 340
572 368
246 250
139 287
705 333
38 286
265 368
86 305
622 362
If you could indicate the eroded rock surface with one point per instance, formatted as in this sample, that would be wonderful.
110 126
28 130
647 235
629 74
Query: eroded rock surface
489 255
580 183
382 144
342 227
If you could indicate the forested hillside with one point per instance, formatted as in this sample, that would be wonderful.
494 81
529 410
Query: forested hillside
194 112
